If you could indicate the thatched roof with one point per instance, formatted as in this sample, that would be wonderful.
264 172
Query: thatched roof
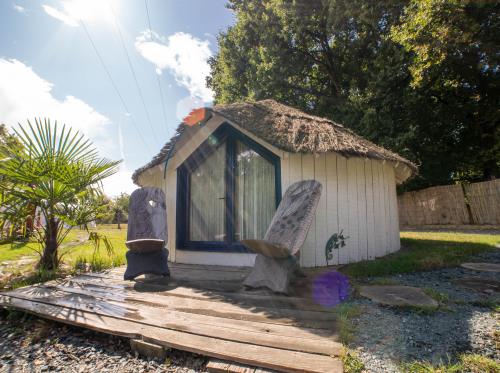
291 130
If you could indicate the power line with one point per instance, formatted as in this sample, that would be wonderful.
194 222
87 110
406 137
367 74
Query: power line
157 77
113 82
117 26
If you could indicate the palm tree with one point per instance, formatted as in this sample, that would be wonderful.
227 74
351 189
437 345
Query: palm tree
57 172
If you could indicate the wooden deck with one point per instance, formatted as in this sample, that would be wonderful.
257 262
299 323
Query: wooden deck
202 309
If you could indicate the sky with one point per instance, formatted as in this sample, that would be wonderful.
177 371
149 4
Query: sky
103 67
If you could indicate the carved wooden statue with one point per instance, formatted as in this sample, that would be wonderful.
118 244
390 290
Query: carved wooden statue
147 234
277 254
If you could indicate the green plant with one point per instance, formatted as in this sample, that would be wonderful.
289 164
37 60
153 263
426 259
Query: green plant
345 313
492 304
335 242
441 298
352 362
471 363
55 173
383 281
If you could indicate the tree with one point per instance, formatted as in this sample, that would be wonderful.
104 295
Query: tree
6 138
59 173
120 207
344 60
454 46
115 210
15 223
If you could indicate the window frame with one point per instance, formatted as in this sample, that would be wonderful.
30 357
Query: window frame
229 135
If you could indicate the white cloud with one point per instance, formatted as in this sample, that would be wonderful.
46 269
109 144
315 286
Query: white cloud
61 16
25 95
121 182
19 8
184 55
72 11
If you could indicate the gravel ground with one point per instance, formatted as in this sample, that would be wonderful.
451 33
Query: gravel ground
386 336
28 344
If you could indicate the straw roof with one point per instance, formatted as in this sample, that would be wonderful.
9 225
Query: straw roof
291 130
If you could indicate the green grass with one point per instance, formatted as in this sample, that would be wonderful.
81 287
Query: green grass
75 249
345 313
467 363
84 252
492 304
423 251
352 362
439 297
16 250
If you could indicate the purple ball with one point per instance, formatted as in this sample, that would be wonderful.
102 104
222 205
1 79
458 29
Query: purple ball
330 288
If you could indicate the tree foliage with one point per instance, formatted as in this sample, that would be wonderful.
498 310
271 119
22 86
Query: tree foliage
115 210
57 173
420 78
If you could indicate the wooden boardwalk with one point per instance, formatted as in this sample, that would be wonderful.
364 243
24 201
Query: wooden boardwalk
201 309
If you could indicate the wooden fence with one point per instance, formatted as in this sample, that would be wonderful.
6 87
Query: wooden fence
459 204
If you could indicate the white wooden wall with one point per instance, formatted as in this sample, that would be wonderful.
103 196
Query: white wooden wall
359 198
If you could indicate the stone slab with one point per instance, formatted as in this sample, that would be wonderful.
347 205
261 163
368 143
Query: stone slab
486 267
483 285
396 295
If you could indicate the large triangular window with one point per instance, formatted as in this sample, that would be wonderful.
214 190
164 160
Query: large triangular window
228 190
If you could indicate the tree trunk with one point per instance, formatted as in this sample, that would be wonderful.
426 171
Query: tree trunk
48 261
119 218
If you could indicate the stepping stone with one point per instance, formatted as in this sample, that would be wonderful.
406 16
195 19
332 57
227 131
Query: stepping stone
484 285
396 295
487 267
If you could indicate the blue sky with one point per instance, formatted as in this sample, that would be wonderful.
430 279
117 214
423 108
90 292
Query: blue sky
49 68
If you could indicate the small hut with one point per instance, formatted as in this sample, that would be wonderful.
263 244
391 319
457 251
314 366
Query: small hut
224 178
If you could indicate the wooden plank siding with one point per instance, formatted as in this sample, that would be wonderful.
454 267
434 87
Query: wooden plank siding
343 206
370 210
362 209
309 256
321 220
332 210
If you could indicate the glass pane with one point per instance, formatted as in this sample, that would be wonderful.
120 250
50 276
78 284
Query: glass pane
255 201
207 204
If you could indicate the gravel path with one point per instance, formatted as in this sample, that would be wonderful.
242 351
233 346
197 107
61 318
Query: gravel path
28 344
465 323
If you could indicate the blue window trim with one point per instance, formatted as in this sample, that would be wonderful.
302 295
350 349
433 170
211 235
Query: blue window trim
229 135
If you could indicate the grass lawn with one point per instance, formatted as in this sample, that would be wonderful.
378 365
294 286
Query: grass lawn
76 248
421 251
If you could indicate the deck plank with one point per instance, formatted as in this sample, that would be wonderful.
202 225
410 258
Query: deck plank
135 298
226 309
253 298
172 288
207 326
267 357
